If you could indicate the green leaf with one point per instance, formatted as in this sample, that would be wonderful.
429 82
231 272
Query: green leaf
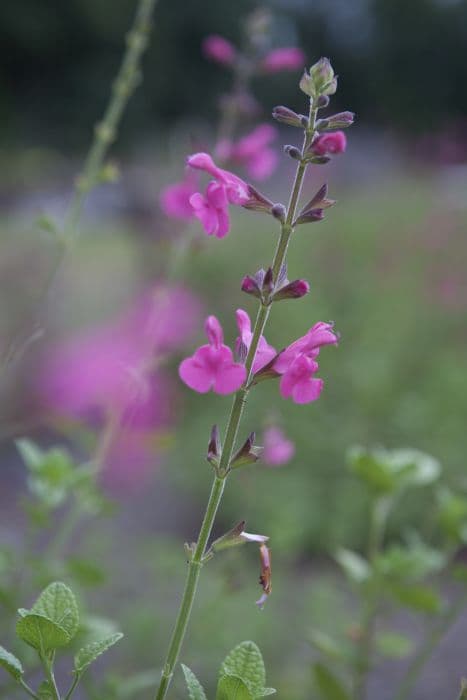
41 633
89 653
355 566
412 563
10 663
232 688
58 604
394 645
246 662
50 472
195 689
329 686
419 598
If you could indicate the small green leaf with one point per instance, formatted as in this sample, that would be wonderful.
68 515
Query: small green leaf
195 689
328 685
355 566
41 633
88 654
246 662
58 604
31 454
419 598
232 688
394 645
10 663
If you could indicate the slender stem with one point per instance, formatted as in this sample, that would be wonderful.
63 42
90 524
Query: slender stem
426 650
104 135
48 668
378 519
27 689
238 405
73 687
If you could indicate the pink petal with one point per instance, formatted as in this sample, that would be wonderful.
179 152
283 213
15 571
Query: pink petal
214 331
307 390
229 378
196 375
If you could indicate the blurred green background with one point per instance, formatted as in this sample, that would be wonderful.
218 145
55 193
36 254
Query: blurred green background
387 265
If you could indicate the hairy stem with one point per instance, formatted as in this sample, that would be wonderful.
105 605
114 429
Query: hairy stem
236 413
425 652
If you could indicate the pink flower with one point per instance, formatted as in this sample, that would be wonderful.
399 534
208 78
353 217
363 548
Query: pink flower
330 144
298 382
297 364
309 345
253 152
219 49
265 352
212 366
287 58
277 448
236 188
175 199
212 210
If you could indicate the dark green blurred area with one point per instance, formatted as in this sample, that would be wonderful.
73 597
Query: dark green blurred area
403 62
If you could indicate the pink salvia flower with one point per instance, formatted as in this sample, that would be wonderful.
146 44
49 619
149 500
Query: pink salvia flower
212 366
278 449
309 345
253 151
265 352
212 209
330 144
218 49
236 188
175 199
287 58
298 382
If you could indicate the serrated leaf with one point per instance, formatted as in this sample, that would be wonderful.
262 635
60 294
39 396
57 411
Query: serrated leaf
394 645
328 685
232 688
355 566
246 662
89 653
57 602
10 663
195 689
41 633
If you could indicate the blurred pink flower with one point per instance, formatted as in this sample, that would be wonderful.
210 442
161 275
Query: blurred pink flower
175 199
253 152
113 370
236 189
287 58
330 144
265 352
219 49
212 366
278 449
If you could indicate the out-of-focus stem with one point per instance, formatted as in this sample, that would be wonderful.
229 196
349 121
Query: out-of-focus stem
238 405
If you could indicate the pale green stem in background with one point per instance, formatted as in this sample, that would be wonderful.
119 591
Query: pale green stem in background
378 519
27 689
425 652
105 133
196 560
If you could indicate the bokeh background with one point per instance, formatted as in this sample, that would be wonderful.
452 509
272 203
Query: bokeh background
387 265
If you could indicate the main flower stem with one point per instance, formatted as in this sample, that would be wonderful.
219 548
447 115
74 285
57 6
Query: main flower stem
196 561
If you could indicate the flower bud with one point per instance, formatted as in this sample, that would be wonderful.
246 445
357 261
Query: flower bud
293 152
338 121
292 290
250 286
279 212
247 454
257 201
284 115
322 101
328 144
320 80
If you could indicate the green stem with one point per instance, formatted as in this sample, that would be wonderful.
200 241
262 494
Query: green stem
425 652
238 405
47 663
378 519
27 689
73 687
105 133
